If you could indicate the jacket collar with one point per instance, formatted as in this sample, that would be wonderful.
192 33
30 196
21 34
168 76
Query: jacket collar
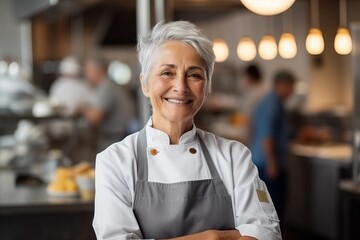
158 137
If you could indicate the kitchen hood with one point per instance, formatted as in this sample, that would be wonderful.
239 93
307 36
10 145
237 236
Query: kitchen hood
29 8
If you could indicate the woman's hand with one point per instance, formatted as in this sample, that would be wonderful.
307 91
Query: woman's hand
215 235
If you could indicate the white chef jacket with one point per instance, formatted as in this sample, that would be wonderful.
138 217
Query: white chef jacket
116 176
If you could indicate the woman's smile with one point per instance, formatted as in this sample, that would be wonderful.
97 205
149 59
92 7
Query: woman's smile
178 101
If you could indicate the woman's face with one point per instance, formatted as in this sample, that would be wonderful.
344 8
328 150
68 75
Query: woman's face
176 84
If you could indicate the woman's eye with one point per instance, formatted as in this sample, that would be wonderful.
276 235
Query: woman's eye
195 75
167 73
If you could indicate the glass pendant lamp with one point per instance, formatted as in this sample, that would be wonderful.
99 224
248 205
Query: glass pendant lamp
315 41
343 42
246 49
221 50
287 46
287 43
267 47
267 7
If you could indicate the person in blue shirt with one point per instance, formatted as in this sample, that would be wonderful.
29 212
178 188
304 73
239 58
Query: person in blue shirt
270 135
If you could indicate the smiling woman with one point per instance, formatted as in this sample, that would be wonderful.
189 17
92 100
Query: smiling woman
176 88
172 180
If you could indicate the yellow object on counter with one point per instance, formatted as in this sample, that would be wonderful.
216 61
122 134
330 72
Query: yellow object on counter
81 168
64 173
65 180
67 185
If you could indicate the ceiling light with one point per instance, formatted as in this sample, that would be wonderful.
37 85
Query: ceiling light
287 46
343 42
267 47
267 7
3 68
315 42
221 50
14 69
246 49
119 72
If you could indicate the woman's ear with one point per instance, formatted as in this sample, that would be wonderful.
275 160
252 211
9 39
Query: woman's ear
144 86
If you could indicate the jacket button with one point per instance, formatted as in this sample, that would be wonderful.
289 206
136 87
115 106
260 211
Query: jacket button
153 151
192 150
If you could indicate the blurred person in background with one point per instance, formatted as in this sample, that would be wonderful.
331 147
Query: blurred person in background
270 136
70 92
108 112
253 89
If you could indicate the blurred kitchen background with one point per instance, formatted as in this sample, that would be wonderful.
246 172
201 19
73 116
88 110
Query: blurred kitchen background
36 35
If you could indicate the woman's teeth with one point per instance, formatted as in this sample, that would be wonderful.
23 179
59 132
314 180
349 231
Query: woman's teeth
176 101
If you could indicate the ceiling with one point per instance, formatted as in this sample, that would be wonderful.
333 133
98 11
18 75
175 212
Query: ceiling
31 8
55 8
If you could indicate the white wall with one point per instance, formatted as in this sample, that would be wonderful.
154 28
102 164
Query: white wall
9 32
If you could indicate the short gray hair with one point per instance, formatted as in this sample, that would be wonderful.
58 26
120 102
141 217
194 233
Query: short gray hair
182 31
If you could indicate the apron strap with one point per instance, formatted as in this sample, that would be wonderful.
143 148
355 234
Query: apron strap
209 161
142 163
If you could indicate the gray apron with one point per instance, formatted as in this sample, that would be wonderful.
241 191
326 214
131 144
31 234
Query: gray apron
178 209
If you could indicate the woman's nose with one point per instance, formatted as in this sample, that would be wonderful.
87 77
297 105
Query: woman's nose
181 84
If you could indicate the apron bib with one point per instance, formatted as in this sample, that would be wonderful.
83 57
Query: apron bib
177 209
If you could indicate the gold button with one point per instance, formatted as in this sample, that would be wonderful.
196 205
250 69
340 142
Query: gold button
153 151
192 150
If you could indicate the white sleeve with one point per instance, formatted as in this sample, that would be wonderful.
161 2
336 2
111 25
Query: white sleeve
255 215
114 217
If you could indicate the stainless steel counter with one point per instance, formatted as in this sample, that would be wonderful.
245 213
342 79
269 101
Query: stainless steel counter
334 154
314 174
30 213
17 197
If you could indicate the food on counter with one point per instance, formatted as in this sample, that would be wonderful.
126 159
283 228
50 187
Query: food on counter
65 181
81 168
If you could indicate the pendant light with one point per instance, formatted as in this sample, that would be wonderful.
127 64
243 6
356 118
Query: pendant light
287 43
221 50
3 68
287 46
343 42
119 72
246 49
315 41
267 7
14 70
267 47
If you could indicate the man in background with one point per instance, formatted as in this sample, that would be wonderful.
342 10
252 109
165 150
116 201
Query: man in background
108 112
253 89
270 138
